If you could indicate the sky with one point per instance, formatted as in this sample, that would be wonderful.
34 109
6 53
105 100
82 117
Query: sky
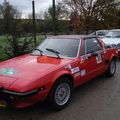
25 6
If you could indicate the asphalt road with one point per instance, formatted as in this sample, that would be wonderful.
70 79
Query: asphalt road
97 100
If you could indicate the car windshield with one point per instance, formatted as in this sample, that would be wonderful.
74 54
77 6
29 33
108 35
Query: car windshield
99 33
110 34
113 34
61 47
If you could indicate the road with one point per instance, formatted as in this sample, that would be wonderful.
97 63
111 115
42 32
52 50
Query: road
97 100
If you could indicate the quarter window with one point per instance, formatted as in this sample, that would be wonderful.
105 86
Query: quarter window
92 45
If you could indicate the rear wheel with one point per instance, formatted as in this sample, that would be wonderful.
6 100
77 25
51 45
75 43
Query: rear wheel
60 94
112 68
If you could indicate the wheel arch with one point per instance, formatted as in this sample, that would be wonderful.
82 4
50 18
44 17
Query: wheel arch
113 57
67 76
62 75
58 77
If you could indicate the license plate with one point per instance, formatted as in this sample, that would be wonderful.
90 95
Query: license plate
3 104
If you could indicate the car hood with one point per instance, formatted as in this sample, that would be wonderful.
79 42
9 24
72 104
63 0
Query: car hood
111 40
6 81
29 68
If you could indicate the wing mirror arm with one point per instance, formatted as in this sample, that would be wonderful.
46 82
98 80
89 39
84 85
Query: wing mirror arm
94 54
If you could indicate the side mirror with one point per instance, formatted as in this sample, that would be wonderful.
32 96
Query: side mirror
94 54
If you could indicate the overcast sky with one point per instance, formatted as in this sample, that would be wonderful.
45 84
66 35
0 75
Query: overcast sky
25 6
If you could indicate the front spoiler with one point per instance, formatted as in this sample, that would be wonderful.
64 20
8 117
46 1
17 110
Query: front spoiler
26 94
10 96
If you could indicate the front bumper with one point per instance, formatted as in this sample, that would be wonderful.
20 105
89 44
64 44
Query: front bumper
10 94
21 100
118 52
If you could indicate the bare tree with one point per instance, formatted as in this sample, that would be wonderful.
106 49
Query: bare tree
85 13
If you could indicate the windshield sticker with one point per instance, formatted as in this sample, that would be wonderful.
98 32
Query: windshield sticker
83 73
99 58
7 71
75 70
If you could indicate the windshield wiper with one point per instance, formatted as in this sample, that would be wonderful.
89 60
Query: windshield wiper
41 52
53 51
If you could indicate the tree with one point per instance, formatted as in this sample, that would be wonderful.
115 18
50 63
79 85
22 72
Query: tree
61 13
119 18
12 23
86 14
10 16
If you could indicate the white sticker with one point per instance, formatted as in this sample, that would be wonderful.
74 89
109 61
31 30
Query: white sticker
99 58
77 75
75 70
68 66
83 72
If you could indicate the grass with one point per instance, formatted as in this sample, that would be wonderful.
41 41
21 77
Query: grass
5 43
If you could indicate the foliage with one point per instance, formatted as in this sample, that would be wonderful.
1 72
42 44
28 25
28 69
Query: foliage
72 16
12 27
92 14
61 13
23 46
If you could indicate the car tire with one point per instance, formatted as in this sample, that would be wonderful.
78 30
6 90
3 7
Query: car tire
60 95
111 69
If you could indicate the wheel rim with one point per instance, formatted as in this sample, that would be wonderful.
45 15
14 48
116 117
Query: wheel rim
112 67
62 94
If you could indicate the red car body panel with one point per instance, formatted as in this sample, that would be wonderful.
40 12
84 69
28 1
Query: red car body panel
34 72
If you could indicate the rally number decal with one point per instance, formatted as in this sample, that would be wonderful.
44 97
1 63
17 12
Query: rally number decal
99 58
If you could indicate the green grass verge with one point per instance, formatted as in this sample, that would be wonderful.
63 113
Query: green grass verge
4 43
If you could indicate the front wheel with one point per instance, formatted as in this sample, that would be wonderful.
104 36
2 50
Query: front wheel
112 68
60 94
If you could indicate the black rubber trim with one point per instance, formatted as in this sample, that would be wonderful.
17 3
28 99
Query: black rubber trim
107 62
17 94
21 94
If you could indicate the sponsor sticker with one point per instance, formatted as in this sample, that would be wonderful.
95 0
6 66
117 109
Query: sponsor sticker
68 66
77 75
7 71
83 73
99 59
75 70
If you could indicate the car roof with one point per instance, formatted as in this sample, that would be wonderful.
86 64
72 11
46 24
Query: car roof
71 37
115 30
102 31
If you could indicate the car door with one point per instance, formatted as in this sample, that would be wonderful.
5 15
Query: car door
91 59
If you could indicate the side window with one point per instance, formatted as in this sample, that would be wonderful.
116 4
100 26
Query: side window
92 45
115 34
83 48
101 34
119 34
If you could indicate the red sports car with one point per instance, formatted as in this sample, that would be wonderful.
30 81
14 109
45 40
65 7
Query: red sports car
53 69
